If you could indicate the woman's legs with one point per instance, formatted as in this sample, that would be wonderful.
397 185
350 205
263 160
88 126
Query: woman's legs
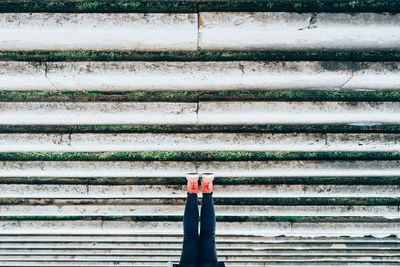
207 247
190 246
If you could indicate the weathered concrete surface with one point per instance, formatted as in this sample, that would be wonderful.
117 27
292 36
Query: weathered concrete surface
178 6
202 113
291 244
96 31
139 142
153 169
226 228
277 112
160 258
298 31
177 210
162 262
98 209
67 191
175 252
215 31
221 239
66 113
197 75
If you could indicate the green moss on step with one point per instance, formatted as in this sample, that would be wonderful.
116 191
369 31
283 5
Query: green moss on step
88 96
194 6
174 218
98 6
308 201
271 180
194 96
336 55
100 156
326 201
197 156
304 5
87 5
125 128
178 182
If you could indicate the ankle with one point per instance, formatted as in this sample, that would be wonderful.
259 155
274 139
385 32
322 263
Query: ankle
193 187
206 187
207 182
192 183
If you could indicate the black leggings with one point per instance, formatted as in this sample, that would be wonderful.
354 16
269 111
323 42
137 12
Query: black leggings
199 249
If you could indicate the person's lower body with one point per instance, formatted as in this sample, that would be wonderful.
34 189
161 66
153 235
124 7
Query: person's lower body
207 247
190 246
199 249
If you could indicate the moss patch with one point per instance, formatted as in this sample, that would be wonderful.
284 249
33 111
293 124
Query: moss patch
125 128
194 96
329 55
194 6
196 156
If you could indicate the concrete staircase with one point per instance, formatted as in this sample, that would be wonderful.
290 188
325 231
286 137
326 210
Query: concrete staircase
106 105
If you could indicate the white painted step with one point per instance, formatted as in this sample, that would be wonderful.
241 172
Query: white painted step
86 227
198 75
227 259
20 113
128 253
207 113
96 31
178 210
251 112
178 169
167 238
257 142
214 31
221 246
173 192
278 31
164 264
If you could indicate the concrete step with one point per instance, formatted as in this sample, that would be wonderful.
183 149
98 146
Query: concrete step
257 142
198 75
229 254
303 229
163 264
227 259
176 169
68 31
171 238
221 245
294 31
390 212
178 191
202 113
177 6
214 31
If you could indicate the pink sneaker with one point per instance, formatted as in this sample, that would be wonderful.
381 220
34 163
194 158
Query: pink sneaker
192 182
207 182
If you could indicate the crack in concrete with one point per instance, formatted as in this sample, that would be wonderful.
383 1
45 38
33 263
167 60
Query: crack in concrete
198 30
312 24
241 67
348 80
196 165
45 74
197 109
69 143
